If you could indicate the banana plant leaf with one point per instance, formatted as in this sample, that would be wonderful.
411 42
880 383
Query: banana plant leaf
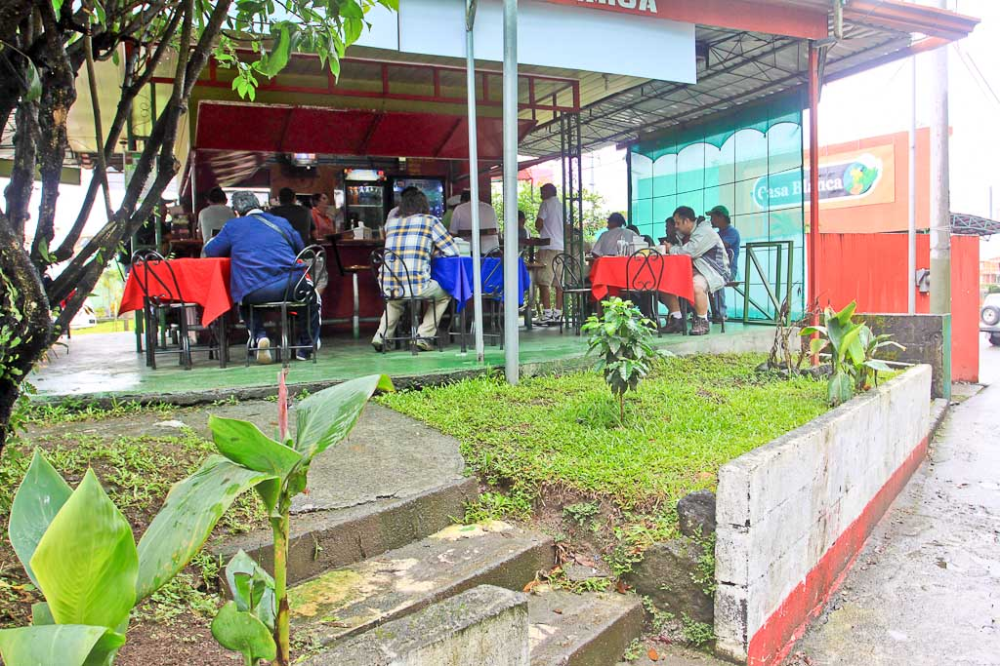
252 588
188 516
244 633
38 499
325 418
62 644
86 563
244 444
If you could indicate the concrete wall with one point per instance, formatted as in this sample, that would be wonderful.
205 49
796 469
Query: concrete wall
925 337
871 269
485 626
793 515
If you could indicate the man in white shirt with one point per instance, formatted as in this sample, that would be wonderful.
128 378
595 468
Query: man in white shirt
607 244
461 221
550 226
213 217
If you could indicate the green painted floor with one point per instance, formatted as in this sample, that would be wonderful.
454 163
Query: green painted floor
106 364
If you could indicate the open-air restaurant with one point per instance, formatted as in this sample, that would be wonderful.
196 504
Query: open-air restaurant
382 254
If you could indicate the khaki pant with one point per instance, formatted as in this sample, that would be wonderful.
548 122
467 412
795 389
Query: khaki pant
432 316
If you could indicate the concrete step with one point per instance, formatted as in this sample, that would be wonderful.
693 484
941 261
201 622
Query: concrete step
348 601
325 540
391 482
483 626
591 629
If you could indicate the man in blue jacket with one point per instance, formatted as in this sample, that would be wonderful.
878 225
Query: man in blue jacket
263 248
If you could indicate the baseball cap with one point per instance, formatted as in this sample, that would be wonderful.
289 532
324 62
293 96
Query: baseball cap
721 210
454 201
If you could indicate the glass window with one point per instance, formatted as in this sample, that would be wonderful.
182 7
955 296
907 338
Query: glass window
665 175
691 168
642 177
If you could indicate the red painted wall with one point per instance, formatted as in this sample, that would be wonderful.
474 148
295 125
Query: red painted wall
871 269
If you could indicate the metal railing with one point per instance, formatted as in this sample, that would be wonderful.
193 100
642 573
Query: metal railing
781 282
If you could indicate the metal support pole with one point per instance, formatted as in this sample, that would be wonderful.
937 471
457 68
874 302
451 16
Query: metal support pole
477 268
911 241
510 137
940 199
814 85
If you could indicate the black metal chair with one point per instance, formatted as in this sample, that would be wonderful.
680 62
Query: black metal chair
395 284
493 310
161 294
300 293
717 300
642 281
576 291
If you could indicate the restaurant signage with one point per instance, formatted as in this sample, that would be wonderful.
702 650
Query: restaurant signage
552 34
642 7
857 179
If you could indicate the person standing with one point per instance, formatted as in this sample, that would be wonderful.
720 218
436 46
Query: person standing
607 244
550 226
213 216
412 239
298 216
522 231
461 221
264 248
323 224
710 267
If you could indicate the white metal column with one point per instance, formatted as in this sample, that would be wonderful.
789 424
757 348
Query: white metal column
470 83
512 370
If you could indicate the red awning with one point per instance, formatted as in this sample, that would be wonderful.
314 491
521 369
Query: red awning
297 129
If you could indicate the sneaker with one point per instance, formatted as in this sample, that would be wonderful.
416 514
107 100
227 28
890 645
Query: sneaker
264 350
674 325
423 345
378 344
700 326
544 320
302 355
555 318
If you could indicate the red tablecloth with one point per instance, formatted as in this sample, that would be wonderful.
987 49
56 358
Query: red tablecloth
204 282
607 276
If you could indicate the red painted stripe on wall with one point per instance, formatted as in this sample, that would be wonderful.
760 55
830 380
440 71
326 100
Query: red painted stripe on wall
772 643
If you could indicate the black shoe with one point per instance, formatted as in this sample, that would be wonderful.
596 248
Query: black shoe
700 326
378 345
674 325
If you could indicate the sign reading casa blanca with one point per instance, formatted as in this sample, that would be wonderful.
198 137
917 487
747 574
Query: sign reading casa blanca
856 179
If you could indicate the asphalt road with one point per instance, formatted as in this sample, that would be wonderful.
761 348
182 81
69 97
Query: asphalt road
926 590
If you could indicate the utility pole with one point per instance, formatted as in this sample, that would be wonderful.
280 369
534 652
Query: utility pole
940 222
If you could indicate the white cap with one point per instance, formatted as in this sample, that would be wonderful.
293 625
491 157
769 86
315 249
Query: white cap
454 201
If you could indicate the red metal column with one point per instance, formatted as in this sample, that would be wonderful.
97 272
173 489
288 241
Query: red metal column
813 265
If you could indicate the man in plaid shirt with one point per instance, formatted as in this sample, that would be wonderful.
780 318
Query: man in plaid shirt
411 239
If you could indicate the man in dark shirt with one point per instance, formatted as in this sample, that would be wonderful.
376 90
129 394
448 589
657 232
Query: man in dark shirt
298 216
263 248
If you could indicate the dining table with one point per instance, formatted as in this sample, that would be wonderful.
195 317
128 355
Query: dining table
203 282
670 274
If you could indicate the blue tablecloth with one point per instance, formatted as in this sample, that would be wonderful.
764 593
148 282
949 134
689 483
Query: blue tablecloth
454 274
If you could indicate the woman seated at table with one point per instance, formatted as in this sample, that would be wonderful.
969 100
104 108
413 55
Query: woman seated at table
411 241
263 249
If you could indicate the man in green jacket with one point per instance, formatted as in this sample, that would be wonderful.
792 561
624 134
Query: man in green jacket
711 269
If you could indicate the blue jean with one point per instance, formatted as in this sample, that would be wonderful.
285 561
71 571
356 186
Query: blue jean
275 292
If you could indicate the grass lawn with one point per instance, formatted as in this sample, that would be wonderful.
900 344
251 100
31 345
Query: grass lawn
111 326
559 437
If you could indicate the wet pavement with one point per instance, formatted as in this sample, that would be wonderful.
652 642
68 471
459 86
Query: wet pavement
926 589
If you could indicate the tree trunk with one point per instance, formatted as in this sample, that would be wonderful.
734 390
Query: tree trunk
25 330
